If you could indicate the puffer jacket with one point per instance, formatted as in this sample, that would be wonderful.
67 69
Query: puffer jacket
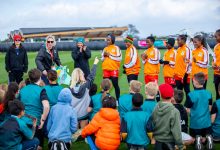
106 126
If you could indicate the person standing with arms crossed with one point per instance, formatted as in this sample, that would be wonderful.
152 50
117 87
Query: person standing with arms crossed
111 58
132 64
150 59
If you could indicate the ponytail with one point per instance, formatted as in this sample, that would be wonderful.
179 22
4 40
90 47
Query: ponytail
106 86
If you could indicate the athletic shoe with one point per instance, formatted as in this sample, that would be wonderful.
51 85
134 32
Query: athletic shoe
198 144
209 142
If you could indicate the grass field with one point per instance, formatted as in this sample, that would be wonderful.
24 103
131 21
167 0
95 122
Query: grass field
67 60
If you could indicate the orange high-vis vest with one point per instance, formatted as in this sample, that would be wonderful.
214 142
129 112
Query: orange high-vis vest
216 59
183 61
151 64
132 62
201 56
168 69
112 62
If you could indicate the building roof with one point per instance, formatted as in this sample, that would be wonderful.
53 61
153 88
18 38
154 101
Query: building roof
87 32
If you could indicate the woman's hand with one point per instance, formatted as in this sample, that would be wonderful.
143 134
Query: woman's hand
45 72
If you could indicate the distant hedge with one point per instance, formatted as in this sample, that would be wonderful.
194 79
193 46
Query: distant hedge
93 45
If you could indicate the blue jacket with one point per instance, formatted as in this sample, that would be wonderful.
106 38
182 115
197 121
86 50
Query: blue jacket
62 121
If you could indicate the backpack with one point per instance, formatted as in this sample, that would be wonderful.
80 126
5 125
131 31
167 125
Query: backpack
58 145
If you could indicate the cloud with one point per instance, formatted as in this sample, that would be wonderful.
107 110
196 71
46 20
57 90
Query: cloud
159 17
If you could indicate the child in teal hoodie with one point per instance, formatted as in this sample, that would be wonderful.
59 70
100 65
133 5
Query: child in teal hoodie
136 123
151 91
62 121
96 100
125 101
53 89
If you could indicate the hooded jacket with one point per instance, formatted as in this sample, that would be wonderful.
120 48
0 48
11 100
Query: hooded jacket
62 121
166 121
106 126
81 98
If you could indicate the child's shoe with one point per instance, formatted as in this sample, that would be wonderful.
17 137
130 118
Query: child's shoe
198 143
209 142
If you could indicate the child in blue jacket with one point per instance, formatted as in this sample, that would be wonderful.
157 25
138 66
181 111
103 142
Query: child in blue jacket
62 121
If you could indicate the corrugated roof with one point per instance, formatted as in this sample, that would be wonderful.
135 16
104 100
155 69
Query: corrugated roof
26 31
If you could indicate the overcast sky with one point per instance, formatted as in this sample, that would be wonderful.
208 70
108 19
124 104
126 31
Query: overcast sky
159 17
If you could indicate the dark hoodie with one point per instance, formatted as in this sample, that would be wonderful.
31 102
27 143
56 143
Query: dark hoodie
81 98
166 121
183 117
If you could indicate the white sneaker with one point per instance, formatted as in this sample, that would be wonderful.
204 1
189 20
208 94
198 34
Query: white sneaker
198 144
209 142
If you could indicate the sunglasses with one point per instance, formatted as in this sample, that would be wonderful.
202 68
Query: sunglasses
18 40
49 41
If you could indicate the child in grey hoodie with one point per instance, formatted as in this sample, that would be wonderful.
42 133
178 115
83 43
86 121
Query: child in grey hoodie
166 121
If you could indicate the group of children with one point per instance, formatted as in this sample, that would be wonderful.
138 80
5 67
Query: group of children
138 121
33 111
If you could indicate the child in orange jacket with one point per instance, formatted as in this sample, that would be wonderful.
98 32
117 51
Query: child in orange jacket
105 125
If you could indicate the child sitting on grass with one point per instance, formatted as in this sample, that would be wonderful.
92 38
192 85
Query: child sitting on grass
135 124
14 133
96 100
166 121
105 125
151 90
125 101
80 91
198 104
9 95
53 89
178 98
62 121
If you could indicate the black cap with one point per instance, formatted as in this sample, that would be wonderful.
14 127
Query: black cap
171 41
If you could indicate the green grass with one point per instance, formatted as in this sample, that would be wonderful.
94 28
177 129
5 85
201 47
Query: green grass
67 60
